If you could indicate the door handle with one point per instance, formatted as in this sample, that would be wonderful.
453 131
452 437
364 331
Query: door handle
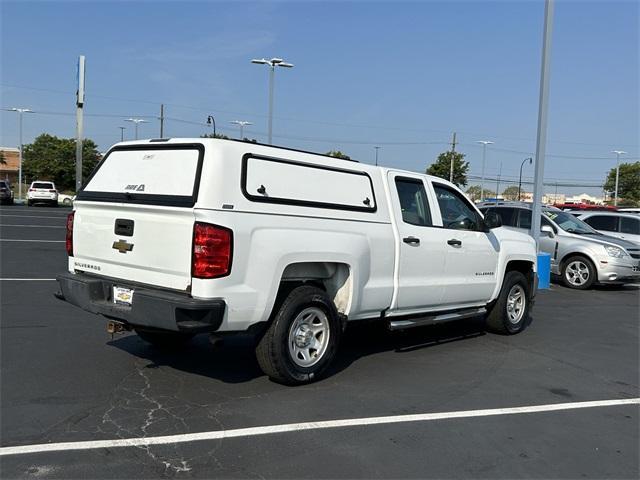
454 242
411 240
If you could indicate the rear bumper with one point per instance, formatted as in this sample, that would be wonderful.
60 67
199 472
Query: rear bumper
150 308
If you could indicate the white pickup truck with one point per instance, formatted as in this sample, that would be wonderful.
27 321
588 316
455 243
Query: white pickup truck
176 237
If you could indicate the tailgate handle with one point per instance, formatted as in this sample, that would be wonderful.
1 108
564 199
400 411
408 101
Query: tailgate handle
123 227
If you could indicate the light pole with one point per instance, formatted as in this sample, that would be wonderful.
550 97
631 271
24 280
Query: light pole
20 112
122 129
377 148
212 121
484 161
530 160
136 121
242 124
273 63
618 153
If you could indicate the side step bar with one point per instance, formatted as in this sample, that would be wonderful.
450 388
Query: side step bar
404 323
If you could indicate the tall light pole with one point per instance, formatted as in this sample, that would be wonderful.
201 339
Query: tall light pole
273 63
136 121
618 153
530 160
484 162
122 129
377 148
242 124
20 112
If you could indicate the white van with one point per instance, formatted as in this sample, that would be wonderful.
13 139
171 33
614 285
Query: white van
176 237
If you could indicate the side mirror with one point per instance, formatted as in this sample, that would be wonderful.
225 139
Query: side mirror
492 220
546 229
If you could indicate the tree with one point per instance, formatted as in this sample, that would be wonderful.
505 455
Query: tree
628 183
510 193
338 154
474 193
52 158
215 135
3 160
440 168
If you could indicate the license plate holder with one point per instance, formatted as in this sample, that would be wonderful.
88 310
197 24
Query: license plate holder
122 295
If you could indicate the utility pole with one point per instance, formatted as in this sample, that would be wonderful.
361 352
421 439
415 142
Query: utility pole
453 151
541 138
377 148
79 121
498 182
122 129
162 120
618 153
484 162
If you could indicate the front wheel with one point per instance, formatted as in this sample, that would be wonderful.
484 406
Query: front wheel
510 313
302 338
578 272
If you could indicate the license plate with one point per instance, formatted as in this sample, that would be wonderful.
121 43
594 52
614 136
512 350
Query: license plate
122 296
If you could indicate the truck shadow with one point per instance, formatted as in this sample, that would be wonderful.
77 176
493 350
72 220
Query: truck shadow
234 361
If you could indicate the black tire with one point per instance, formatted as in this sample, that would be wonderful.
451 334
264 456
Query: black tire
500 319
304 310
166 340
573 270
29 203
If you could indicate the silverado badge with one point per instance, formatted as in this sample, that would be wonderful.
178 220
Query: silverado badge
122 246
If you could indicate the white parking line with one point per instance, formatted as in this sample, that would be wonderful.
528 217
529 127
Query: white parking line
27 279
34 226
22 240
296 427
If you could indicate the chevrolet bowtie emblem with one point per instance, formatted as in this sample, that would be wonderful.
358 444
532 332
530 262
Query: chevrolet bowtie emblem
122 246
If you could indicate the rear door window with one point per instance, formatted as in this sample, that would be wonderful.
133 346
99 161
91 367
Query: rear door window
413 202
507 215
608 223
630 225
148 174
524 219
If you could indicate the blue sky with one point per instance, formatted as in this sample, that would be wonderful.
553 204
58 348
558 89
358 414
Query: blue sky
402 75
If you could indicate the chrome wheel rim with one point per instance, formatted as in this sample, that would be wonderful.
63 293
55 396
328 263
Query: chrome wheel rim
309 337
577 273
516 304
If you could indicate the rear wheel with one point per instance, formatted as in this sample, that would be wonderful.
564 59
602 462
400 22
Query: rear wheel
578 272
302 338
510 313
165 339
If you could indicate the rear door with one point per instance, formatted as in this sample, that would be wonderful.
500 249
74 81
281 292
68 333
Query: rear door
134 218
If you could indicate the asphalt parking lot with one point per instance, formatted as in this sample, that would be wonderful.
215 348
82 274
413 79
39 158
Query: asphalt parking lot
64 379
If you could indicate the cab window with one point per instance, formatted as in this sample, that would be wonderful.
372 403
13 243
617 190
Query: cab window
524 219
413 202
456 212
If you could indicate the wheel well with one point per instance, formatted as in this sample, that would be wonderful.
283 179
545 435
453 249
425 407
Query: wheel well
575 254
332 277
523 266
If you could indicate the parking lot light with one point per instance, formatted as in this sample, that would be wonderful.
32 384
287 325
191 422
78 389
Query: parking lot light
136 121
618 153
484 161
273 63
20 111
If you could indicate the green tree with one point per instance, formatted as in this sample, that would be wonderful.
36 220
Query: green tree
338 154
628 183
510 193
440 168
474 193
53 158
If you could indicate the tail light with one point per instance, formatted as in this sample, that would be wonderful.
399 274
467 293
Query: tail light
32 189
52 191
212 251
70 234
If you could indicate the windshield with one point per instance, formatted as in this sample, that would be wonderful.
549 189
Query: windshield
569 223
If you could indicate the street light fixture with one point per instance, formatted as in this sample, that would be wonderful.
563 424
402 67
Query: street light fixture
484 161
530 160
212 121
618 153
242 124
20 111
273 63
136 121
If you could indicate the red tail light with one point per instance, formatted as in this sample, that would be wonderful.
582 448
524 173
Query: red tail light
212 251
70 234
52 191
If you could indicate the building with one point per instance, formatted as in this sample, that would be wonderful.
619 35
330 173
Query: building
585 198
9 169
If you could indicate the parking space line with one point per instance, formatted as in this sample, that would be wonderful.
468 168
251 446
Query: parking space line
306 426
29 240
34 226
27 279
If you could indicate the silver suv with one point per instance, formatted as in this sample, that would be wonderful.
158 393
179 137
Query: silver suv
579 254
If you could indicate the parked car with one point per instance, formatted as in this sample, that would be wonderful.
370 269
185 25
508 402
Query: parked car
621 225
66 200
580 255
285 245
6 193
629 210
42 192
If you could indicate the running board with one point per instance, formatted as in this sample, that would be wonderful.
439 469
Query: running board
402 324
